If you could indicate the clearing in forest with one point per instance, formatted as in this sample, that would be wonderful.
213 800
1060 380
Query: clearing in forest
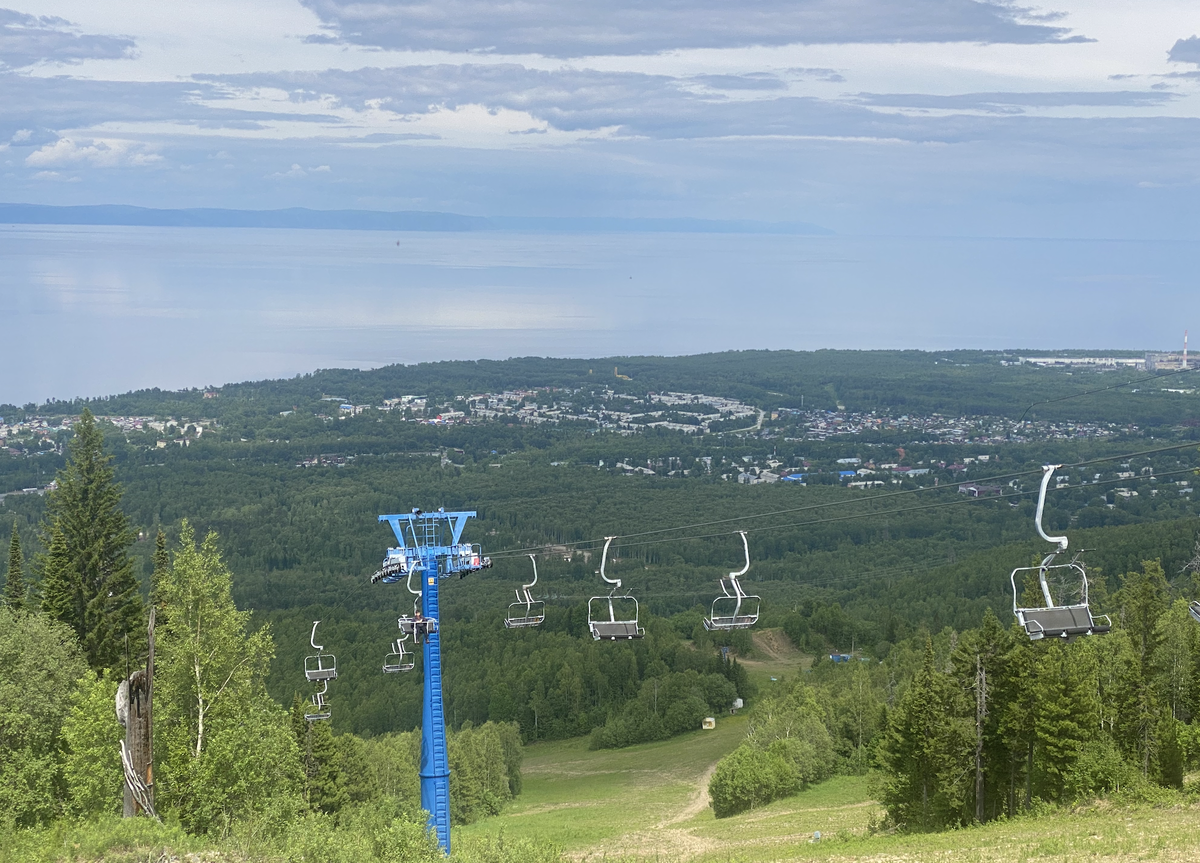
650 803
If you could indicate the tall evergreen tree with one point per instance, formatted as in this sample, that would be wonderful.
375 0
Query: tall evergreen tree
324 784
14 587
62 594
927 753
1144 600
1065 719
979 665
85 508
162 565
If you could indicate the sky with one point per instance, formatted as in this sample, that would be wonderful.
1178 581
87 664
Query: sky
933 117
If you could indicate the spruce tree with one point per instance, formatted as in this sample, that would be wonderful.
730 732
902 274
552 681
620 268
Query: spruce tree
85 508
62 594
324 784
927 753
1066 719
14 587
162 565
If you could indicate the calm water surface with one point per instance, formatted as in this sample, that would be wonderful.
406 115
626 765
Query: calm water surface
95 310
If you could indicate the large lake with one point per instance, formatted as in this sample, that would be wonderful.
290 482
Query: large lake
97 310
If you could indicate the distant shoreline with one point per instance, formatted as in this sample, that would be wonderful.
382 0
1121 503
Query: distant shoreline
378 220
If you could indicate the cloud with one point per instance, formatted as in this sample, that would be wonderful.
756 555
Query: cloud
296 172
54 175
1185 51
26 40
758 81
1015 103
627 104
99 153
578 28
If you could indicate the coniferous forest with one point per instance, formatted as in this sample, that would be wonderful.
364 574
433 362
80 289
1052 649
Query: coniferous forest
247 515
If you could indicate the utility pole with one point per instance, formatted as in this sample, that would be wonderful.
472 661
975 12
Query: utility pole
430 548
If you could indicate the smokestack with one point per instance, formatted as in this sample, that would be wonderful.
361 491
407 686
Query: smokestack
1185 362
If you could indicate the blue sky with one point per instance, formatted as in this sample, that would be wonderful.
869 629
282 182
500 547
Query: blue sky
937 117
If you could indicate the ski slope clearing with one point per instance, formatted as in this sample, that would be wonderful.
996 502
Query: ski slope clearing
650 803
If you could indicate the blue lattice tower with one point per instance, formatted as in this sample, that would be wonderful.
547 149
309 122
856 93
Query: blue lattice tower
430 548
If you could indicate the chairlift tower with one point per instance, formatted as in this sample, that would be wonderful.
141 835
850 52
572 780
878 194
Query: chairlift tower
430 549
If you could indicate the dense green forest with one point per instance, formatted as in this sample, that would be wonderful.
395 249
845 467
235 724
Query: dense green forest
288 490
847 568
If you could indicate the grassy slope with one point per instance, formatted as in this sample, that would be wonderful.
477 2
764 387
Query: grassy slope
649 802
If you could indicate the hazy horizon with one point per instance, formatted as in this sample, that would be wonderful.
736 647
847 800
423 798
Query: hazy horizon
104 310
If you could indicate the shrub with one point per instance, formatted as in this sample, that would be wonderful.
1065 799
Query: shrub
749 777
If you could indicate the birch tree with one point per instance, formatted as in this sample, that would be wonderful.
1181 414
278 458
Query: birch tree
226 747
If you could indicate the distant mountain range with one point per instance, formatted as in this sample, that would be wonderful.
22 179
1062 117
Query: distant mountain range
377 220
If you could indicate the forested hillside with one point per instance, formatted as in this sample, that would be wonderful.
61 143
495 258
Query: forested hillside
294 500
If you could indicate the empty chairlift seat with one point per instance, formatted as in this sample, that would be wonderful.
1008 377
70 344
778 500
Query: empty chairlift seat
734 609
1067 622
526 611
398 659
320 665
1056 618
613 617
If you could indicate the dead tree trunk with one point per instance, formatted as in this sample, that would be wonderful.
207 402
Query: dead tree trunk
134 709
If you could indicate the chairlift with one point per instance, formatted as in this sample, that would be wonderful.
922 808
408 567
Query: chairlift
417 626
1194 610
735 609
1066 620
318 707
319 666
399 659
526 611
613 627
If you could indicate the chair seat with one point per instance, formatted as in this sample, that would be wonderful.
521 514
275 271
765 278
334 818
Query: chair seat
1063 622
615 630
321 674
741 621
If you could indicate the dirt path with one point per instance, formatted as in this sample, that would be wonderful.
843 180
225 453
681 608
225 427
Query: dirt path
696 805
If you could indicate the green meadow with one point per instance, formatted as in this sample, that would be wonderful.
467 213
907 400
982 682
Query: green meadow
650 803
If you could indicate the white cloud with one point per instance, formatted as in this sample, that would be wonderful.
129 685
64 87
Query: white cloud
296 172
54 175
99 153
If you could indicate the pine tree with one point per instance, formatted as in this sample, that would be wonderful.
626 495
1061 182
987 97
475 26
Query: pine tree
85 509
1066 719
1144 599
162 564
14 587
324 785
979 665
1015 695
927 753
62 594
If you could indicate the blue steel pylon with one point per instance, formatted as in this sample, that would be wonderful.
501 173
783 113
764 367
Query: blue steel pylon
430 548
